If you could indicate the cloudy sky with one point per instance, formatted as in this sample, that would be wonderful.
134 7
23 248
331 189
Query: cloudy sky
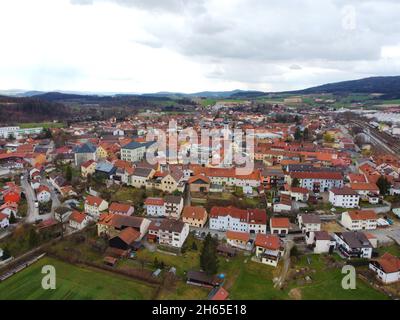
194 45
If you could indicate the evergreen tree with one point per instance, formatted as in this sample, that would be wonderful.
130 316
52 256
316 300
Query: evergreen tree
194 246
208 256
68 173
12 218
295 183
383 185
297 134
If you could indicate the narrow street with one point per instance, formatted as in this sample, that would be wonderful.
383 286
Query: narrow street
32 213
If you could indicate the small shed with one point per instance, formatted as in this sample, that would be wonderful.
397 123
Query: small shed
226 251
110 261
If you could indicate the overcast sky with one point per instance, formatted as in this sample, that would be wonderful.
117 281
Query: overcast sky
189 45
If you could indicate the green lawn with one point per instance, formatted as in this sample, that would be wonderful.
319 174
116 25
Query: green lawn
394 249
326 283
42 124
72 283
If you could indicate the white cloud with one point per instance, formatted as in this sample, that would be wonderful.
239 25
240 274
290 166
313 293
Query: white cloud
182 45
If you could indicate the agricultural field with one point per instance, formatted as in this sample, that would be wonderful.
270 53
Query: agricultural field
45 125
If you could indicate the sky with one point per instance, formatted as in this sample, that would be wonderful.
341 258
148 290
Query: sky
187 46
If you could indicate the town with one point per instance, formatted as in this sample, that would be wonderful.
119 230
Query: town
123 216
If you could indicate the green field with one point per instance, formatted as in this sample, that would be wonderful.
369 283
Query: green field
72 283
326 283
42 124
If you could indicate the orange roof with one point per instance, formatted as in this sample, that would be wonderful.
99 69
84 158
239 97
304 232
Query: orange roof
364 186
43 188
363 215
270 242
389 263
199 177
77 216
129 235
198 213
317 175
234 235
93 201
119 207
88 163
279 223
356 178
154 202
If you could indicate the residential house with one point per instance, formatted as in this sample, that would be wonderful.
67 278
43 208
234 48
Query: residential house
309 222
279 226
78 220
365 189
173 206
194 216
318 181
239 240
344 197
269 249
43 194
85 152
284 204
140 177
353 244
387 268
121 208
155 207
320 241
170 232
235 219
359 220
94 206
297 193
112 224
88 167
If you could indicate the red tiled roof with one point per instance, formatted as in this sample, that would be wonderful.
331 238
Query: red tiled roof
270 242
364 186
389 263
250 215
242 236
221 294
363 215
119 207
93 201
77 216
279 223
198 212
154 202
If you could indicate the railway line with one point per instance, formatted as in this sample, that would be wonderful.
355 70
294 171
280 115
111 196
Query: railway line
381 140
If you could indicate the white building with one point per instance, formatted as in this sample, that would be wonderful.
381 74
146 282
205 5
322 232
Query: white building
309 222
94 205
4 222
317 181
135 151
155 207
172 233
387 268
321 241
353 244
344 197
78 220
43 194
359 220
269 249
234 219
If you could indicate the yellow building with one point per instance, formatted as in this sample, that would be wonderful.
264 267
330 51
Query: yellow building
88 167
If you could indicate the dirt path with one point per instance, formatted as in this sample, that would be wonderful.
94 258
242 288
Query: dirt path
286 264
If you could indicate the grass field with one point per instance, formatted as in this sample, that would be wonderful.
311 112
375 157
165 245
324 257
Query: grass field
42 124
72 283
326 283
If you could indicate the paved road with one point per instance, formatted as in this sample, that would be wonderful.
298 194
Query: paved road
54 197
32 212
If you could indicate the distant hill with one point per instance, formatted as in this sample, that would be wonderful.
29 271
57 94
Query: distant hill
28 109
390 86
